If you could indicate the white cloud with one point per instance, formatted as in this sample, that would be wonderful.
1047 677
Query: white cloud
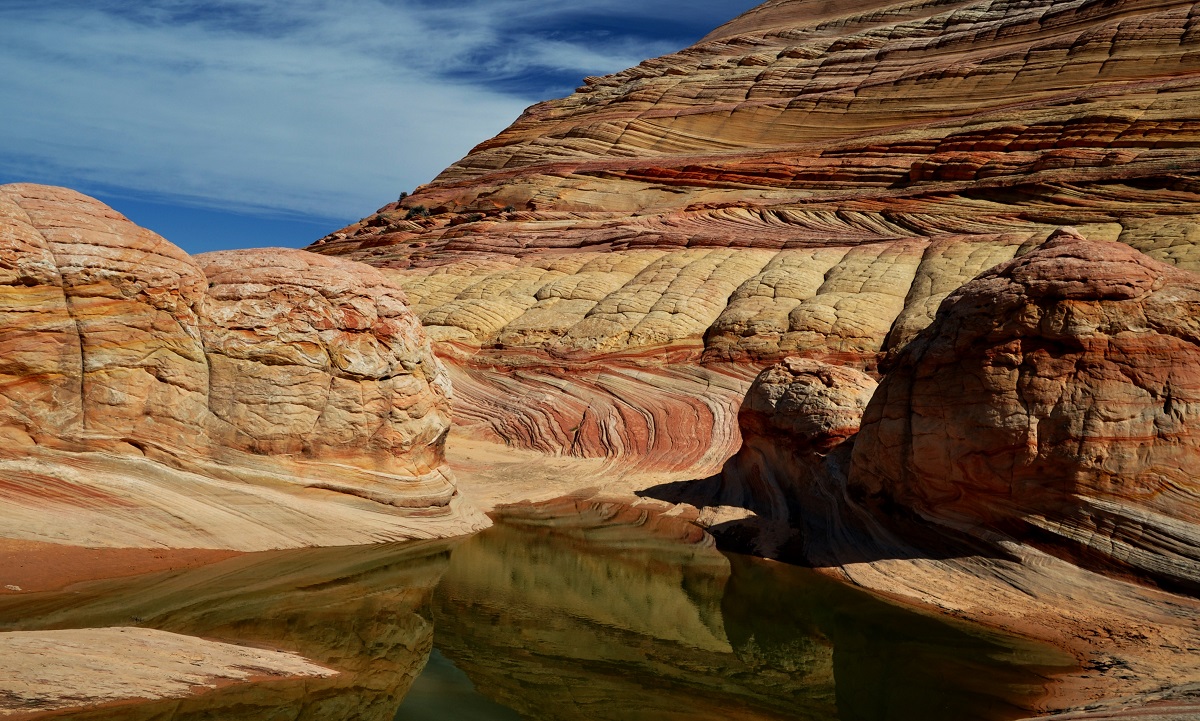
319 107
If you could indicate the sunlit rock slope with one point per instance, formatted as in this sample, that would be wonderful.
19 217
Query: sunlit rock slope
249 399
810 179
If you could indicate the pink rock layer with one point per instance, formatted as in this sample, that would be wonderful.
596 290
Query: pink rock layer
279 365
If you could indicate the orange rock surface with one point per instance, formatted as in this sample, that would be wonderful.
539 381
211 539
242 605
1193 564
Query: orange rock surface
1054 399
249 399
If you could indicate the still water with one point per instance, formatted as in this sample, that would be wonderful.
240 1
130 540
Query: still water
581 612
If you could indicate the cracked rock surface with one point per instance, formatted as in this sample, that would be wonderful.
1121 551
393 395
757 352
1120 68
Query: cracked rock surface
243 399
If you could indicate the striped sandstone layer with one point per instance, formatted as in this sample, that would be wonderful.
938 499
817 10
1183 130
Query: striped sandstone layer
810 179
242 400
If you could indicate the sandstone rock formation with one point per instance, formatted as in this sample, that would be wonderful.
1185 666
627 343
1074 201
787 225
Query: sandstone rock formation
246 400
46 671
1056 399
797 425
1025 461
811 179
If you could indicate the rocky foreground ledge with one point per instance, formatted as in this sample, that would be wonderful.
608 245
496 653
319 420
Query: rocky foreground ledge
239 400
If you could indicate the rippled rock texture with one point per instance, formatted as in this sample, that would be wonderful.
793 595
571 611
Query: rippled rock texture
148 398
810 179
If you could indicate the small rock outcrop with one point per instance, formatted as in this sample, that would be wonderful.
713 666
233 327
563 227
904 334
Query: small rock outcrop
275 380
1055 399
795 424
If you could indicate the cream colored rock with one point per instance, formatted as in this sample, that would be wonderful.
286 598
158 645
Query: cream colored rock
52 670
314 357
888 133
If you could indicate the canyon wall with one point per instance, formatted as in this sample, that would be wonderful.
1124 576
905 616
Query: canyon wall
244 399
811 179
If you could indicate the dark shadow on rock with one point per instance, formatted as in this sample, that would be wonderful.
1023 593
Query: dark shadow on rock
825 527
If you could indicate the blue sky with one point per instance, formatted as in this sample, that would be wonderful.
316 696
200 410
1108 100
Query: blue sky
242 123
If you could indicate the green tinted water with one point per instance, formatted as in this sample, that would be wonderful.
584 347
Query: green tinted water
547 616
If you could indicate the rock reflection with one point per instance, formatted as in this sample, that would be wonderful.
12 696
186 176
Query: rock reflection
363 611
565 611
601 613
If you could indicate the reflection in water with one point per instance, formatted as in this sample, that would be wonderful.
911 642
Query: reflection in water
559 612
363 611
565 617
444 692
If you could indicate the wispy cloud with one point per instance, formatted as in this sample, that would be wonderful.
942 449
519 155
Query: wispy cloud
315 107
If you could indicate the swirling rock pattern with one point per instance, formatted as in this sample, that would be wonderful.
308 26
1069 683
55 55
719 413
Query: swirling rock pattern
141 389
1055 399
811 179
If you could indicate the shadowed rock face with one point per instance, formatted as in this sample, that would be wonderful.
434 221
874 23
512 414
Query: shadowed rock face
122 356
797 425
811 179
1055 398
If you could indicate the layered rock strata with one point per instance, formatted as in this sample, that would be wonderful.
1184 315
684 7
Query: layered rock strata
811 179
156 399
1054 399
